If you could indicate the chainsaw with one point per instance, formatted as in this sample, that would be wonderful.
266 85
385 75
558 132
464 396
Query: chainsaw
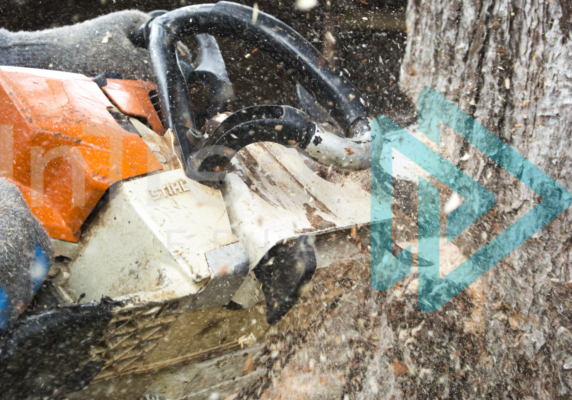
165 227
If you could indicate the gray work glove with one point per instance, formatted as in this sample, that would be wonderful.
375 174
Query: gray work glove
94 47
25 254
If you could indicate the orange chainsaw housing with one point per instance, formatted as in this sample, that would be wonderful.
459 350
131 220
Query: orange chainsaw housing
63 149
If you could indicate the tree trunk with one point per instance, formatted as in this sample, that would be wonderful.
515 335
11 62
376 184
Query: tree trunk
507 64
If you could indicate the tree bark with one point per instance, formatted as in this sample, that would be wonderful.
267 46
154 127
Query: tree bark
507 63
508 335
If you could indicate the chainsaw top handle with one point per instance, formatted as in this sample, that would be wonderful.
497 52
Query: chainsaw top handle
331 89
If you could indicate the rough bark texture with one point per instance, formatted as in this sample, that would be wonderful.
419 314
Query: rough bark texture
506 63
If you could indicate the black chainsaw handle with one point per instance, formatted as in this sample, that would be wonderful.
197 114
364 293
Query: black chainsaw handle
210 70
279 124
332 90
285 125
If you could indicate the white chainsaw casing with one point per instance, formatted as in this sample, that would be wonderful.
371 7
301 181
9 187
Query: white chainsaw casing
272 196
152 241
